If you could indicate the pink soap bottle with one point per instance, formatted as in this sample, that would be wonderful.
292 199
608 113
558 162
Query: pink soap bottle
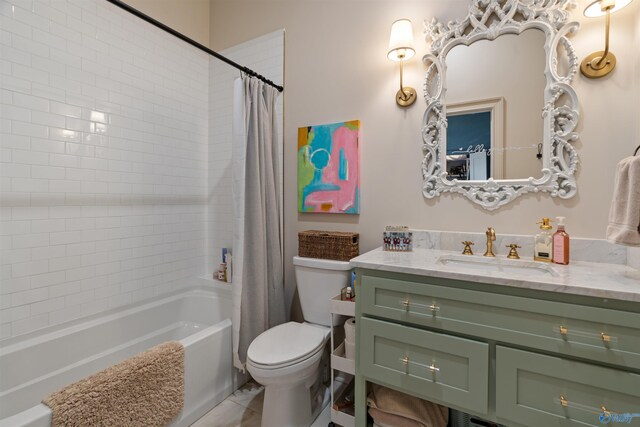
561 244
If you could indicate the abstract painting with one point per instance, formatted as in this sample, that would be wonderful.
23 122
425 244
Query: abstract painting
329 168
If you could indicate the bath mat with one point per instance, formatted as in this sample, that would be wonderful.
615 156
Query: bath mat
144 390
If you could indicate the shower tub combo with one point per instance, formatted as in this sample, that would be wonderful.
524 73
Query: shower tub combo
34 365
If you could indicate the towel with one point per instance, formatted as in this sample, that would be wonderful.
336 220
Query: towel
385 419
624 216
393 408
143 391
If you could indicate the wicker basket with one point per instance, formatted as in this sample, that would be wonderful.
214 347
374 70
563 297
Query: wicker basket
328 245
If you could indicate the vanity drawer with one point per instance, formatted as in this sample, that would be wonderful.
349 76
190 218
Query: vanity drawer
426 364
540 390
606 335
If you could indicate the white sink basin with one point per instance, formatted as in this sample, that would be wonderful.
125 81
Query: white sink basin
481 264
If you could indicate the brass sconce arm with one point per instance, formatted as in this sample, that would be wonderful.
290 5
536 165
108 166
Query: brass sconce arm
599 64
400 50
406 95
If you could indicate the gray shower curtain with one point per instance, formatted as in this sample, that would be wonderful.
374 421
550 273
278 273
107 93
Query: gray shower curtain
258 286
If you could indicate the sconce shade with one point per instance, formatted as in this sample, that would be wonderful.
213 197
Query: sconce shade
401 41
599 7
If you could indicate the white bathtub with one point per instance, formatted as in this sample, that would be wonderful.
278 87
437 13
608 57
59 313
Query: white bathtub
37 364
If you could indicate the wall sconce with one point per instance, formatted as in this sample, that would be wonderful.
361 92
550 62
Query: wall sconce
401 49
602 62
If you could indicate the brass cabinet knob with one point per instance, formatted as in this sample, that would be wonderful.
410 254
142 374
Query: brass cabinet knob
406 303
564 401
513 253
564 330
606 338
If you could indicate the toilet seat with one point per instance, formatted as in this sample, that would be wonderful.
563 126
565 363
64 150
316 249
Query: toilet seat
285 345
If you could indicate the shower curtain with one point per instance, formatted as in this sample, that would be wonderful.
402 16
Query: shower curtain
258 286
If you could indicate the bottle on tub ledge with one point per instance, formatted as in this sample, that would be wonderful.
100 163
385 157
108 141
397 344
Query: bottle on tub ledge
225 271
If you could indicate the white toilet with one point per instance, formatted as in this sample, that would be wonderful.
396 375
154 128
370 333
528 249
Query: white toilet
286 359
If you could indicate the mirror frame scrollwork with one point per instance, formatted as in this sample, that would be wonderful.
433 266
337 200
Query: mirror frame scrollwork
486 20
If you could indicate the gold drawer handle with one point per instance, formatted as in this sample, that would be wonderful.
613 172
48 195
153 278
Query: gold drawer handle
564 331
606 338
564 401
406 303
405 361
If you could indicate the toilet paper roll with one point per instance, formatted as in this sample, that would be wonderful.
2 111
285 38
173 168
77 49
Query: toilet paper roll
349 350
350 330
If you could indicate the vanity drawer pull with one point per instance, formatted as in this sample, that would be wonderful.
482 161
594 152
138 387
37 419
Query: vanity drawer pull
602 336
406 362
564 402
407 304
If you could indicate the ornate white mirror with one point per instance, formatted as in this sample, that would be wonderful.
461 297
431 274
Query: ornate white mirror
501 111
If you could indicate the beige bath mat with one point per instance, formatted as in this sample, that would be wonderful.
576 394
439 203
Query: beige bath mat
144 390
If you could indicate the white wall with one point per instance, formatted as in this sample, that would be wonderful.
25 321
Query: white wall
265 55
189 17
104 161
336 69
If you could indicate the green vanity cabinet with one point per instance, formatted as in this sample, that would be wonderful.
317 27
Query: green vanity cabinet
519 357
432 365
544 390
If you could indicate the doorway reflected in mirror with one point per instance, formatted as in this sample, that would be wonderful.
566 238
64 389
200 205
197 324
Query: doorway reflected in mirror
468 145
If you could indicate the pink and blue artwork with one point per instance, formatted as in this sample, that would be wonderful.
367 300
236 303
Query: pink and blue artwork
328 168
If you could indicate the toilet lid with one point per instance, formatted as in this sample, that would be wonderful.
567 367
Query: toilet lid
285 344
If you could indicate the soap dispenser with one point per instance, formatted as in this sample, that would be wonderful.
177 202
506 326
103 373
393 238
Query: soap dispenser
561 244
543 244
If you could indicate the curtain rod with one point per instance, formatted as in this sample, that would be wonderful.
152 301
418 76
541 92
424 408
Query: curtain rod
192 42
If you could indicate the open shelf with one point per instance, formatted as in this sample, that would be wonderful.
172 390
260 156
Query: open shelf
342 369
342 418
342 414
341 363
346 308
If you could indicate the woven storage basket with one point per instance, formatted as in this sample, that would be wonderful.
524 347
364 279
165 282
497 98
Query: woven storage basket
333 245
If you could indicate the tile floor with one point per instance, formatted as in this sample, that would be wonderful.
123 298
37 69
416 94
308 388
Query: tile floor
244 408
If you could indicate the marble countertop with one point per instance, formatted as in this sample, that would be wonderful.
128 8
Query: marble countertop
612 281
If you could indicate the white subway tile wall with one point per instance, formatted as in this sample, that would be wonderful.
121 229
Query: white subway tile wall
264 55
103 175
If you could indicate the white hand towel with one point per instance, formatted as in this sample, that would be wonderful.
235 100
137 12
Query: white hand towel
624 216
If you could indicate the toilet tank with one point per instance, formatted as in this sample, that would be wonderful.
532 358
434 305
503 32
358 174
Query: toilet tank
319 280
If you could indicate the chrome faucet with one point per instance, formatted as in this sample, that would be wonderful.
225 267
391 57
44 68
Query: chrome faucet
491 237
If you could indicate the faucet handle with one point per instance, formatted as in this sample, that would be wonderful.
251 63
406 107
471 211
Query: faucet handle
467 247
513 253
